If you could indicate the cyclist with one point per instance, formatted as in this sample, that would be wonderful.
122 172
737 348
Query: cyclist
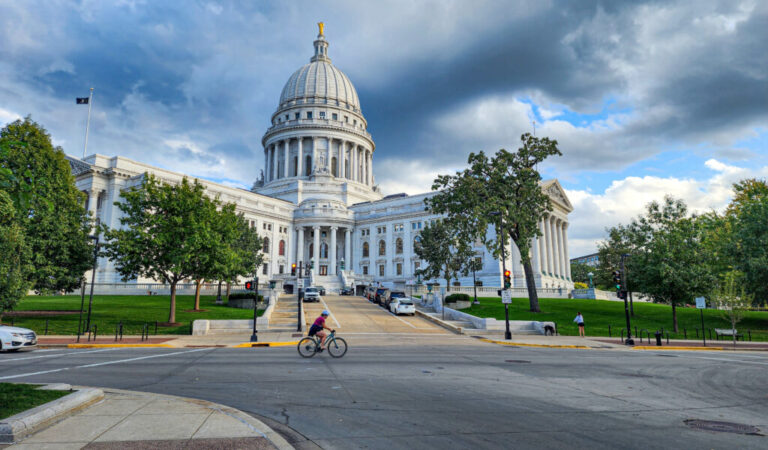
318 327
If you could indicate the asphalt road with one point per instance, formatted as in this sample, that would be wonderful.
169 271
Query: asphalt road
417 391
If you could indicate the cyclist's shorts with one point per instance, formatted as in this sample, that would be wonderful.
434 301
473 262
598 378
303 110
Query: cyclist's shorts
314 329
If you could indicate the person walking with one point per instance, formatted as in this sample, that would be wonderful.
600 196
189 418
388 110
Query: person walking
580 322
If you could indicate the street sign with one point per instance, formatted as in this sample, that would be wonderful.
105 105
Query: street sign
701 303
506 296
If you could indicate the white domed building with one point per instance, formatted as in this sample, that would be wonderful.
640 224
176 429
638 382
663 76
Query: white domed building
317 202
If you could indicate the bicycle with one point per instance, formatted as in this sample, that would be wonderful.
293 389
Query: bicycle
310 346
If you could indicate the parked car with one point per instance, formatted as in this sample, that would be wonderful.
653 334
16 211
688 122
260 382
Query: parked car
311 294
381 294
392 295
402 305
370 293
348 291
321 290
15 338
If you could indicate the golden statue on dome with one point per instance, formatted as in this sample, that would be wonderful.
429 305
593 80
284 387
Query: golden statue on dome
321 25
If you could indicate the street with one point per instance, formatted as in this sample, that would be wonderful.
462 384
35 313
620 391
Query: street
417 391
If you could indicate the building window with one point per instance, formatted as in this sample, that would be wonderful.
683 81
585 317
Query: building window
398 227
311 250
287 117
265 269
382 248
399 267
322 114
416 241
365 270
308 166
366 251
309 114
381 230
346 119
265 247
381 270
399 246
281 249
335 116
298 116
280 268
324 250
334 167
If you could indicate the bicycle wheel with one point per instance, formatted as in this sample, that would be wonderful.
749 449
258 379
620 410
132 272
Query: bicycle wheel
307 347
337 347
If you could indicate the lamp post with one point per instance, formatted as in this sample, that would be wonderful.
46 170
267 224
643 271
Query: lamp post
629 340
255 336
590 275
474 282
507 333
93 279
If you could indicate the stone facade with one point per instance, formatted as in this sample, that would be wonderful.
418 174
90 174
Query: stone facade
317 200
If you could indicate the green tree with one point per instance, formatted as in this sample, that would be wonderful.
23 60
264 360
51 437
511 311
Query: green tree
506 183
580 273
164 230
14 257
746 235
443 252
619 242
732 299
48 207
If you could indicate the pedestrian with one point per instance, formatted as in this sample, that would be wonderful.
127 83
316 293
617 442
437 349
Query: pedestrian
580 322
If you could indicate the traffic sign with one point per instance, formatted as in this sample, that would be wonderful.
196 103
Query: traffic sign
701 303
506 296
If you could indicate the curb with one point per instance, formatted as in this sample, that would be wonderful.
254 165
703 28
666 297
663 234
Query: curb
119 346
257 425
15 428
520 344
439 322
671 347
265 344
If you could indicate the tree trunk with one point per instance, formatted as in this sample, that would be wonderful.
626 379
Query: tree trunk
172 313
229 288
530 283
674 317
197 295
631 307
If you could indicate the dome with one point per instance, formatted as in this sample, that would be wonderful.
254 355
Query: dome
320 82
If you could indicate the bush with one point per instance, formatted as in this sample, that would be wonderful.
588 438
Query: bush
580 285
453 298
244 295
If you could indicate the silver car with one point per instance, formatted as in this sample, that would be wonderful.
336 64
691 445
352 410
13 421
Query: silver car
15 338
312 294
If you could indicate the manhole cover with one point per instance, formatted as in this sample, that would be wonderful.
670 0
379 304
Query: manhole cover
522 361
722 427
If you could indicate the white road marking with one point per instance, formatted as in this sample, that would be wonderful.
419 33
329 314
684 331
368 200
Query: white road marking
727 359
8 377
338 325
60 354
408 323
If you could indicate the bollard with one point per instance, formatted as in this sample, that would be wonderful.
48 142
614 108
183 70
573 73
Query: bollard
697 333
155 327
749 333
117 327
121 330
685 334
710 334
609 331
46 327
658 338
667 338
95 330
635 330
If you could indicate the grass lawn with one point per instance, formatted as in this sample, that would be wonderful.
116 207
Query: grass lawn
598 314
133 310
16 398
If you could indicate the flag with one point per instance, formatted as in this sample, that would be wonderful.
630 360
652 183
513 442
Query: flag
82 100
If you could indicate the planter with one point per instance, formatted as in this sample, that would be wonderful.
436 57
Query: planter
459 305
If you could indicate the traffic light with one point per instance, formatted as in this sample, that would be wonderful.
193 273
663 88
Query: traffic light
622 294
293 270
507 279
249 285
617 279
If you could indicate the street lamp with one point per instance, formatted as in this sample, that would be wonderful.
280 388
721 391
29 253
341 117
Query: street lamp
590 275
507 333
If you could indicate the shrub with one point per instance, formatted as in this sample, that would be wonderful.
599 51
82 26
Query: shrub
453 298
238 295
580 285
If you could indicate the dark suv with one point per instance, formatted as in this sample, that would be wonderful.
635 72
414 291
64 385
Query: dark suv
393 294
380 295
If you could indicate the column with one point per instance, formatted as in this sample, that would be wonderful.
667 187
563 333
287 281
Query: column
536 262
274 161
266 165
407 251
300 159
342 159
555 252
300 246
287 148
316 251
314 154
289 244
332 270
543 248
347 249
329 155
356 163
567 257
560 252
549 247
517 267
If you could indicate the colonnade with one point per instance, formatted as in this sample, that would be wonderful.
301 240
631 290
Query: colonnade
331 239
348 160
550 251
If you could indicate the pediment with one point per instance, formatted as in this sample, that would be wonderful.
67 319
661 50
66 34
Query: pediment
557 194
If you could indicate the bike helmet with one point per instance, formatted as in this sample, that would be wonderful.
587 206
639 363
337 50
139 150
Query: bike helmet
325 313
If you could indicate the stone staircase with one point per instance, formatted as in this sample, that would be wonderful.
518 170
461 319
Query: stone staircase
285 315
458 326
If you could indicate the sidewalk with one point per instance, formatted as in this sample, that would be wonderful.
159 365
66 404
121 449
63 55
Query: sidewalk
138 420
169 341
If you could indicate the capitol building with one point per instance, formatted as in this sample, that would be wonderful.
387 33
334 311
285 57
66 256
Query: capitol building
317 201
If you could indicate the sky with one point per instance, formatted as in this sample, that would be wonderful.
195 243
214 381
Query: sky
645 98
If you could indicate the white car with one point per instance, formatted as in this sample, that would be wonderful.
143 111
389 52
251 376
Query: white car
15 338
311 294
402 305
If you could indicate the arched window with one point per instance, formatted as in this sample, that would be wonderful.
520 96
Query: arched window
295 166
323 250
416 241
266 245
366 252
308 166
311 250
281 248
382 248
334 167
399 246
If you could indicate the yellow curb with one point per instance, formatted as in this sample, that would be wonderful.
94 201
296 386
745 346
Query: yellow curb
648 347
119 346
266 344
520 344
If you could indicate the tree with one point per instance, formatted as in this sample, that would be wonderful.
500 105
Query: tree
507 183
580 272
609 256
444 254
14 257
164 233
746 235
668 258
48 207
732 299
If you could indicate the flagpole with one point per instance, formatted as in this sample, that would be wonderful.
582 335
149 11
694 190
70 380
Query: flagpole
88 123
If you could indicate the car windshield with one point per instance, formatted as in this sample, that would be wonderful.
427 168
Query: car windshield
398 294
310 290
